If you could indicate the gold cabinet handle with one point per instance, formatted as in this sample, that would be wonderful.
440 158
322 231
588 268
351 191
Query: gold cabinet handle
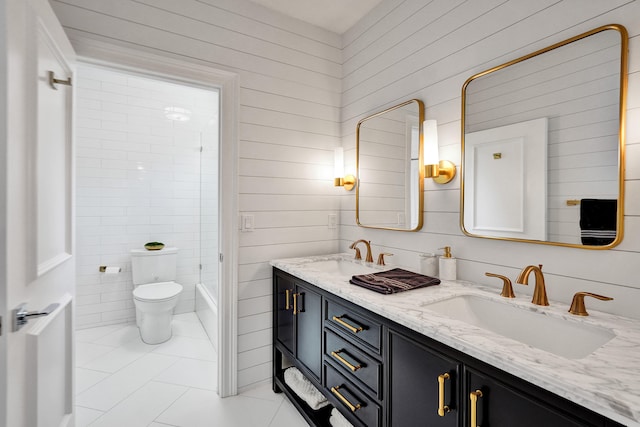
344 361
287 295
344 400
295 303
442 408
354 329
474 395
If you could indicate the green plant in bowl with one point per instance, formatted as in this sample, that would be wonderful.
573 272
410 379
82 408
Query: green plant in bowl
153 246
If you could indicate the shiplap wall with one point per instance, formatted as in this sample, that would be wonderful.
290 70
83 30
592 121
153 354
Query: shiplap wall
138 180
417 49
576 87
290 75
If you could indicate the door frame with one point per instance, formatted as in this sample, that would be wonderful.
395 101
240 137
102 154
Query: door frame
176 70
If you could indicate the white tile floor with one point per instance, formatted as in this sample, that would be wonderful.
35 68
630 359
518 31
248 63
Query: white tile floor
123 382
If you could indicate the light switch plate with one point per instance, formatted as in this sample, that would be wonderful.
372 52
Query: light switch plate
333 221
247 222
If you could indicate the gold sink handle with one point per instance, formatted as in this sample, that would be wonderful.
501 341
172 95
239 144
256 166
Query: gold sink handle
577 305
507 289
381 257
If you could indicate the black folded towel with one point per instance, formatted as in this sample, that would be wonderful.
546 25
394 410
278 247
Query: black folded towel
598 221
392 281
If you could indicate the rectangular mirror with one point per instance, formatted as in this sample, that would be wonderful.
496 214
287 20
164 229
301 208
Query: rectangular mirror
543 144
390 181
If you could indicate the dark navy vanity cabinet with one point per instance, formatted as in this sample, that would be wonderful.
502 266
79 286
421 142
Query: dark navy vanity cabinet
381 374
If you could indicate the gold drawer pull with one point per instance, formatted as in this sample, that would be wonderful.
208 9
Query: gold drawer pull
474 395
344 361
354 329
442 408
287 295
344 400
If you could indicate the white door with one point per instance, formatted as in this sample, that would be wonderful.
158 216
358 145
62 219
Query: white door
36 228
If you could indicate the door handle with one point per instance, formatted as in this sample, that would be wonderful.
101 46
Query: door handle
21 316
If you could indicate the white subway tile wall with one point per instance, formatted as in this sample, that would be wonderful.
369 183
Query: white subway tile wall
142 177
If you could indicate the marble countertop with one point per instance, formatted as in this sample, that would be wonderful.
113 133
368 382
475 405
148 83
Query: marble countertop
606 381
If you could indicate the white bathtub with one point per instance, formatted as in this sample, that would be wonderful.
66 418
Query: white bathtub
207 312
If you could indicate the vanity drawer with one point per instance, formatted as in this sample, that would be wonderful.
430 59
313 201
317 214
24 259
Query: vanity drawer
353 363
350 399
353 324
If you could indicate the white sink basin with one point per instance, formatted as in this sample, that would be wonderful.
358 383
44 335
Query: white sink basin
341 267
571 340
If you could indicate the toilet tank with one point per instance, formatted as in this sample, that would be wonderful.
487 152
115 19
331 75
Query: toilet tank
153 266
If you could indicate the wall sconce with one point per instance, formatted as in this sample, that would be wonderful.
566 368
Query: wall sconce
442 171
340 180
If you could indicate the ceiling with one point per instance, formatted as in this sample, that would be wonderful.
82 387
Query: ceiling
333 15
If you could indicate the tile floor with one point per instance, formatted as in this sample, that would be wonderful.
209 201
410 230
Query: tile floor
123 382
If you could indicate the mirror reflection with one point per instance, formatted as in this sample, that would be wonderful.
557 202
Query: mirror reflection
389 180
542 144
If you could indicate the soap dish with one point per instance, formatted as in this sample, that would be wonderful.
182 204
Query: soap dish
153 246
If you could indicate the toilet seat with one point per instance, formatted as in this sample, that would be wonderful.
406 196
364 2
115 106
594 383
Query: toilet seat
157 292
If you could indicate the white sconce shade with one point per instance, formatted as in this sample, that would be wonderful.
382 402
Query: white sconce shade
442 171
430 138
339 178
338 165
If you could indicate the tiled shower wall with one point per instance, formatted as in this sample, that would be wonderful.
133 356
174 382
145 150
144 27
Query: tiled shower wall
139 180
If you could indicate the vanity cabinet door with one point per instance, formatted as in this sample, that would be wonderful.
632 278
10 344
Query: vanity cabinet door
415 391
501 404
283 306
308 313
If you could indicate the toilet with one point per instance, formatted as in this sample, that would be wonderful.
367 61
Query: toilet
155 294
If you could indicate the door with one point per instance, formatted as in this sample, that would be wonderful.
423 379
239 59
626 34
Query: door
283 303
308 310
422 387
36 237
496 404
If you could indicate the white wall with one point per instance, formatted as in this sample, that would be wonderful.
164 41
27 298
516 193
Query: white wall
138 180
407 49
290 76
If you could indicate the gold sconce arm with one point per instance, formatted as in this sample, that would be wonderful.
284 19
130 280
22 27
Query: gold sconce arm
441 173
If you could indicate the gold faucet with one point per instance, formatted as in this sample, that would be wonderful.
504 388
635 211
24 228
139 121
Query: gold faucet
540 292
367 244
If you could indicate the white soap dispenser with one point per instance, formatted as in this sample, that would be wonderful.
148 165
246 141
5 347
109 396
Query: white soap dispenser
447 265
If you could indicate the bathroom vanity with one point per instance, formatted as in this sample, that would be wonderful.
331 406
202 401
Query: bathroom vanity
391 360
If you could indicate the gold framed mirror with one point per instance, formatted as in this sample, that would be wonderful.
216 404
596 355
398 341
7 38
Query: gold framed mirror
389 176
543 139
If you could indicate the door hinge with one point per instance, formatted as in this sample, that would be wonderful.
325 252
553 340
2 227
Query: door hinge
221 257
201 148
0 326
200 266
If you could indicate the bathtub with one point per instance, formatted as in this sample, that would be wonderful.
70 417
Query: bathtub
207 312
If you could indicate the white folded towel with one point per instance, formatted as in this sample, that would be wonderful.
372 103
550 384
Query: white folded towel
338 420
304 389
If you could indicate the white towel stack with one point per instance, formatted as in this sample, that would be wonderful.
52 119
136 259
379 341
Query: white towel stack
304 389
338 420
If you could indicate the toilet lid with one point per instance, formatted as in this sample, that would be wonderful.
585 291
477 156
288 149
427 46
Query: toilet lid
157 291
